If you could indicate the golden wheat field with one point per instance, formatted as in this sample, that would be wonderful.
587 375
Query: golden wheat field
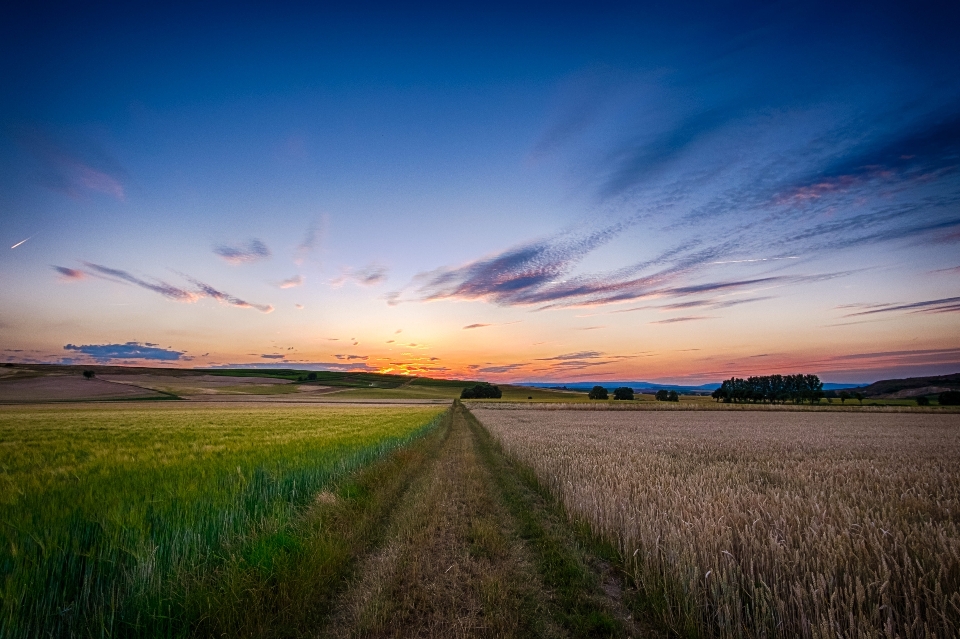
761 524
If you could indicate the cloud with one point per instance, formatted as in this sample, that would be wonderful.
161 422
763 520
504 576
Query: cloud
252 251
572 356
226 298
922 151
270 356
505 368
130 350
174 292
469 326
353 357
370 275
75 167
642 157
311 239
69 274
299 307
943 305
522 275
291 282
157 286
686 318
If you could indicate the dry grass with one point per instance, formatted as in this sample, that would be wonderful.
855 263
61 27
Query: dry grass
746 523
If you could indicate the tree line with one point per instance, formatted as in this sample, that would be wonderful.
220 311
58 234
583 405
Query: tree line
775 389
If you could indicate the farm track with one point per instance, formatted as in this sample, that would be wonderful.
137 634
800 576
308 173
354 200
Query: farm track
471 550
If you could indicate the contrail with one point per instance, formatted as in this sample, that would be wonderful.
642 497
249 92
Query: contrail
22 241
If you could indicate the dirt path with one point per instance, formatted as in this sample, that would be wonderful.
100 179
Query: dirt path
471 552
451 566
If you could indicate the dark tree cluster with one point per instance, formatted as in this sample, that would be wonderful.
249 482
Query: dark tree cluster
623 393
771 388
949 398
88 374
598 392
664 395
483 390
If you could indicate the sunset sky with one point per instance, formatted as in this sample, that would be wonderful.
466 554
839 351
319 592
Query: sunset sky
667 194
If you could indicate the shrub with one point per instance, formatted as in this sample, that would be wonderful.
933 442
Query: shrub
664 395
311 377
673 397
949 398
922 400
624 392
88 374
598 392
483 390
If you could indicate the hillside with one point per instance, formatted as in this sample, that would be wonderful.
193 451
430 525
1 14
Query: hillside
911 386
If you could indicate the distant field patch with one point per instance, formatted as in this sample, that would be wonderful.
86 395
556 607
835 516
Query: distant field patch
108 511
750 523
58 388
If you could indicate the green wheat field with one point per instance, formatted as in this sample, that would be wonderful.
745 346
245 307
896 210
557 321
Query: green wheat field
110 516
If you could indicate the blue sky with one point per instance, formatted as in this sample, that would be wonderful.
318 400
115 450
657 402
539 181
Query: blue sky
674 194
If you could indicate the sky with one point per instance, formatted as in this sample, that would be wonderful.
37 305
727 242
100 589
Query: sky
523 193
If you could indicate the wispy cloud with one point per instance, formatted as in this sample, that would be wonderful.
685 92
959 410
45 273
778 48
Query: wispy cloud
272 356
169 290
312 238
469 326
370 275
226 298
69 274
503 368
129 350
157 286
579 355
685 318
252 251
943 305
75 167
353 357
291 282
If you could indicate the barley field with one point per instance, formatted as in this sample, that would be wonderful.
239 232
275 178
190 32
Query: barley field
106 512
764 524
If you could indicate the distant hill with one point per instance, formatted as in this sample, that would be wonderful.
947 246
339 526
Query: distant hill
648 387
910 387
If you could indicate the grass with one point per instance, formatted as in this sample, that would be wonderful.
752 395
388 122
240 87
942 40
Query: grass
324 378
110 513
750 524
404 392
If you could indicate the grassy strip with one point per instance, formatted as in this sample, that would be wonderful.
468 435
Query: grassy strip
284 584
451 565
562 555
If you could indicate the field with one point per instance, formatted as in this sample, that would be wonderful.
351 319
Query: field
242 512
115 516
763 523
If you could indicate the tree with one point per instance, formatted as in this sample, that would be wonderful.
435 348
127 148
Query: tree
844 396
624 392
673 397
483 390
949 398
598 392
859 397
312 377
88 374
662 395
922 400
